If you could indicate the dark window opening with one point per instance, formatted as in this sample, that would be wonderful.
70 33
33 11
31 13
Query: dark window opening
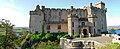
59 13
94 24
83 23
72 24
36 32
85 32
59 26
94 31
48 27
48 31
73 32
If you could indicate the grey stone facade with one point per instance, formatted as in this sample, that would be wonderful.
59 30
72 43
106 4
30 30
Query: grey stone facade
84 21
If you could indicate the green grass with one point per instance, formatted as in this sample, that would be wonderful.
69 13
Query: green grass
19 30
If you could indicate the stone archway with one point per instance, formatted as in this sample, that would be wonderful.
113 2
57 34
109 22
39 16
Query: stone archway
85 32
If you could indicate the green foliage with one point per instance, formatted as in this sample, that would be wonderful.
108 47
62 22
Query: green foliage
43 31
47 36
65 36
76 35
48 45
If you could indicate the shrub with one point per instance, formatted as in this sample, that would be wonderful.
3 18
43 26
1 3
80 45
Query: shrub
65 36
76 35
47 36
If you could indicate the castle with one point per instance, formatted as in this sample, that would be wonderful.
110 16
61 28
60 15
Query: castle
83 21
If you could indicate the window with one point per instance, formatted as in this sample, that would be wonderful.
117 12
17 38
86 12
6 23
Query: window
59 13
72 24
59 31
102 26
73 32
48 31
59 26
36 32
48 27
118 38
94 24
94 31
83 23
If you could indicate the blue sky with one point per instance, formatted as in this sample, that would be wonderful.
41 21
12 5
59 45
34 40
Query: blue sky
17 11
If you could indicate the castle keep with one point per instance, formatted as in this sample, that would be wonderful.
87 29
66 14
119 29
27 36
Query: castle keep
83 21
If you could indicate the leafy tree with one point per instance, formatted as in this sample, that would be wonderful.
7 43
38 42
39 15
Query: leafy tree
9 37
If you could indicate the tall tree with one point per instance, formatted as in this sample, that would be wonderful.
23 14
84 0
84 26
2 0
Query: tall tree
7 26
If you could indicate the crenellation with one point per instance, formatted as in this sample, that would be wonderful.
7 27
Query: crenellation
33 13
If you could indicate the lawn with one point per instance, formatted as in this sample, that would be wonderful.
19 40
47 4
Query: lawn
19 30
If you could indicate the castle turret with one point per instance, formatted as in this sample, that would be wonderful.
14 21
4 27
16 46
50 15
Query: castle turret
37 8
100 5
35 19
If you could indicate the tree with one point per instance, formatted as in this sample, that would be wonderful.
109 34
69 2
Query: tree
7 26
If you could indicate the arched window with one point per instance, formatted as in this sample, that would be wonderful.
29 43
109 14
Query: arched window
83 23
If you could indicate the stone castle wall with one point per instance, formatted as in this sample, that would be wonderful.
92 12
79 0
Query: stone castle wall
96 16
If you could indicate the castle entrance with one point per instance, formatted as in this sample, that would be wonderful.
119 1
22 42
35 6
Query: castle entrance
85 32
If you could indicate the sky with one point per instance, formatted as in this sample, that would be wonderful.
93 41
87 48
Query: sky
17 11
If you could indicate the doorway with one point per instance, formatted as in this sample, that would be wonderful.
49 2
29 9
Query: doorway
85 32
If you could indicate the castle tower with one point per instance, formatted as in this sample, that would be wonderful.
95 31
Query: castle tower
72 23
103 11
100 5
92 18
36 20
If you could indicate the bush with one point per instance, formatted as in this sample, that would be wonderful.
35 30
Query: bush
47 36
76 35
65 36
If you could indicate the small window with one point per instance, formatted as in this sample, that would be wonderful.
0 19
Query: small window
59 26
59 13
83 23
118 38
72 24
48 27
94 24
48 31
102 26
94 31
58 31
36 32
73 32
